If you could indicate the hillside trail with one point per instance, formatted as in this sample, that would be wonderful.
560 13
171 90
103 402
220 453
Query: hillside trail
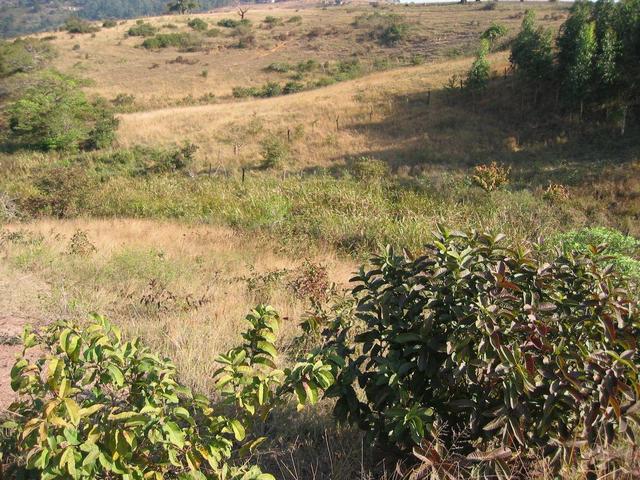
21 296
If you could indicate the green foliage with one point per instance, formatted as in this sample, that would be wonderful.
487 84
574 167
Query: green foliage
494 32
24 55
517 350
77 25
292 87
228 23
213 32
576 52
54 114
142 30
478 75
95 406
109 23
198 24
622 250
185 41
182 6
531 51
250 382
272 21
279 67
57 191
393 34
274 151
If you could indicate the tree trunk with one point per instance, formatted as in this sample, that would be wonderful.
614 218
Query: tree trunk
623 122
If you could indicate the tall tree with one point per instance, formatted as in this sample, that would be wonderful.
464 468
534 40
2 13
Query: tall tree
532 51
576 55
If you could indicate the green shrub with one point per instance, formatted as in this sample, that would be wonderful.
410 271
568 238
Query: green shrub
393 34
295 19
77 25
228 23
54 114
142 30
109 24
244 92
213 32
198 24
24 56
279 67
494 32
271 89
275 152
272 21
493 347
292 87
186 41
57 191
95 406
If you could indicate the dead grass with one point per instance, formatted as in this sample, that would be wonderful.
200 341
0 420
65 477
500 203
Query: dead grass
184 289
115 64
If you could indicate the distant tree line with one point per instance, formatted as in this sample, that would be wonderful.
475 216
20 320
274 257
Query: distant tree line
595 67
27 16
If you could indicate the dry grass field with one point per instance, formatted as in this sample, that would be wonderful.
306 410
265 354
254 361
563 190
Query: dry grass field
179 257
116 64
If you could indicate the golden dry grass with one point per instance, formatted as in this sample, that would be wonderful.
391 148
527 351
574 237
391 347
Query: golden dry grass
192 263
115 63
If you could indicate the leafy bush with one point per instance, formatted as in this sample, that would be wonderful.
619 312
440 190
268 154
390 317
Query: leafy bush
77 25
274 152
54 114
213 32
478 75
494 32
24 56
272 21
292 87
279 67
243 92
393 34
491 177
57 191
494 347
270 89
186 41
198 24
94 406
142 30
228 23
109 23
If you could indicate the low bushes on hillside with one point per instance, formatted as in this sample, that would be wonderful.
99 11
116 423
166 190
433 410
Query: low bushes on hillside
186 41
491 349
198 24
77 25
142 30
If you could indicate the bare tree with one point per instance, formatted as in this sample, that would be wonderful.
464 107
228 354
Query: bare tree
242 12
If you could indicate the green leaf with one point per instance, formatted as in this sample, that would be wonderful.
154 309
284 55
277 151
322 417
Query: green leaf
174 433
238 429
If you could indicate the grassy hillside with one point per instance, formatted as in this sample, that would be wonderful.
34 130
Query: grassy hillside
261 163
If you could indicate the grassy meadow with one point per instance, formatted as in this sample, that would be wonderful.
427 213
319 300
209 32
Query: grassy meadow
379 147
